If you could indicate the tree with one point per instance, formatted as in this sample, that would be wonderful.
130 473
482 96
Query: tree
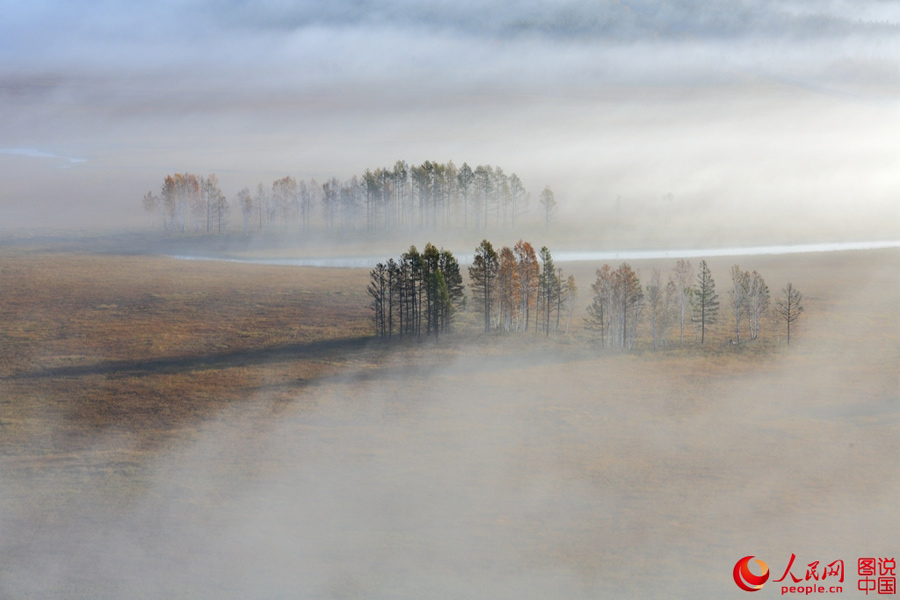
789 307
431 260
569 298
628 288
180 193
508 289
548 206
705 300
528 269
284 198
216 203
660 300
412 269
518 196
549 286
502 195
245 201
400 178
483 186
757 302
261 200
309 195
483 276
739 295
152 204
601 308
683 273
453 281
377 290
617 306
331 194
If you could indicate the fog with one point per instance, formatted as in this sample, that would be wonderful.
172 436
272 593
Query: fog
761 130
779 115
535 476
367 262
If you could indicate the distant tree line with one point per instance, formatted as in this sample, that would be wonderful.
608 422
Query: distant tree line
431 196
190 203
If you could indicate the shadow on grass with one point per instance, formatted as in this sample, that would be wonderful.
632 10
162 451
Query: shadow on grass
204 362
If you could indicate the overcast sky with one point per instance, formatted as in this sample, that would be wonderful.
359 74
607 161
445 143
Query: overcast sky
713 101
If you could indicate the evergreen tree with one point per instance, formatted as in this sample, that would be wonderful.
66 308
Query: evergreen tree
548 284
789 307
483 275
704 300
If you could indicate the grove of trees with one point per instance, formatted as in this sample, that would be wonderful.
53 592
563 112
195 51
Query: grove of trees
512 290
619 303
187 202
515 289
515 285
431 196
419 294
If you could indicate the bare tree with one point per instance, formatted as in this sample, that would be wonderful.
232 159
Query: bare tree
464 179
245 201
307 201
617 306
527 265
152 204
519 198
683 274
789 307
739 295
600 310
216 203
660 301
548 206
632 297
260 201
284 198
569 298
508 288
757 302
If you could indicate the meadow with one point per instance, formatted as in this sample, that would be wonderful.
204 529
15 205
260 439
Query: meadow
219 430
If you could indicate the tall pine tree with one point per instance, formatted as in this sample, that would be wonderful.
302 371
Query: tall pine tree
705 300
483 275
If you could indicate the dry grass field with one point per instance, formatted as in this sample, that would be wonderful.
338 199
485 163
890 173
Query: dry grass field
198 429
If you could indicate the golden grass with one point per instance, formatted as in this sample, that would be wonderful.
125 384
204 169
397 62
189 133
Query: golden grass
592 460
144 343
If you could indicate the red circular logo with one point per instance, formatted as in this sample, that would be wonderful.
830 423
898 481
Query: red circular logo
746 580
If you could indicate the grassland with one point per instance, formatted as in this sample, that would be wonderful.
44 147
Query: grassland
204 429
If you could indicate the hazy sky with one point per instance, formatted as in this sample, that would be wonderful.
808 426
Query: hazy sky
716 102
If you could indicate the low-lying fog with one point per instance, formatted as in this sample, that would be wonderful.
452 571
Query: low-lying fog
674 125
367 262
694 116
493 472
555 477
